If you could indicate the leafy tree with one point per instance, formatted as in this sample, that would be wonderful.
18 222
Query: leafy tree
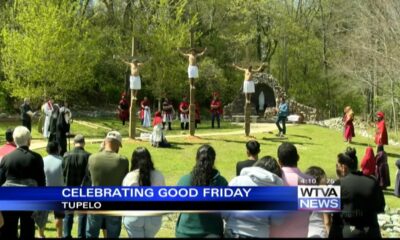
48 51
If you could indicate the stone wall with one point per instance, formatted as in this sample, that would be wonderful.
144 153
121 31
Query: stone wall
237 105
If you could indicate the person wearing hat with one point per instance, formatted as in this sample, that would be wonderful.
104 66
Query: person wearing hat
107 168
216 109
193 70
184 113
248 83
134 80
123 109
381 136
9 146
74 165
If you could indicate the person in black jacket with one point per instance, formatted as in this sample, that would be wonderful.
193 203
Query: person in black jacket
361 201
62 130
22 167
74 166
26 114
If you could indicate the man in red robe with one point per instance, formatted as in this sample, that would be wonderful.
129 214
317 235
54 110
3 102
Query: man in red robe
216 110
143 104
184 113
381 136
123 109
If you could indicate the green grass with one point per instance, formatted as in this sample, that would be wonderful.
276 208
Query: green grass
317 147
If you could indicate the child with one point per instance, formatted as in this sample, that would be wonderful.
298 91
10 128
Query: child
320 223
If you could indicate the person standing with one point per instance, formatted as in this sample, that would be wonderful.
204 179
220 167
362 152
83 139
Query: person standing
62 130
382 168
216 110
184 113
142 173
26 114
248 83
54 178
294 224
9 146
47 109
123 109
145 112
201 225
361 201
74 165
348 124
381 135
135 83
21 168
253 149
167 113
283 112
193 70
107 168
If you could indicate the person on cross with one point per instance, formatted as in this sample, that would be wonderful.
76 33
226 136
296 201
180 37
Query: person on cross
193 70
248 84
134 80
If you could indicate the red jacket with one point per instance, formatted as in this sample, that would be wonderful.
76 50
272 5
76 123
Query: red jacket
381 136
218 104
185 106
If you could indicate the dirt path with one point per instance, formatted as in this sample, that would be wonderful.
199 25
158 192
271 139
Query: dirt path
255 128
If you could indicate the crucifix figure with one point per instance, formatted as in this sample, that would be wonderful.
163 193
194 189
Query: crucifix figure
193 70
248 84
134 80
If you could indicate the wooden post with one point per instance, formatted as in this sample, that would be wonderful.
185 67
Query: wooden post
247 111
132 109
192 106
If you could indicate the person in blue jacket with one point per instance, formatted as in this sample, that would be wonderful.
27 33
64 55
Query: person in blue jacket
283 112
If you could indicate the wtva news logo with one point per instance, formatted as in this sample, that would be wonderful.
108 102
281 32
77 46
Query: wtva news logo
319 198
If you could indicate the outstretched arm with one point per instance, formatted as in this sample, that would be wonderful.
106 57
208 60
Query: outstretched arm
237 67
261 68
182 53
128 63
202 53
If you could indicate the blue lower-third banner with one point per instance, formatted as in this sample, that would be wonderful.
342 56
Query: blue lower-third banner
277 198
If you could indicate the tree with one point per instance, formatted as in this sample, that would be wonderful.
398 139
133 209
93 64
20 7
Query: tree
48 51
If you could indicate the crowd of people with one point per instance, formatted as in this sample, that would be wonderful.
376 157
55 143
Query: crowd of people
362 191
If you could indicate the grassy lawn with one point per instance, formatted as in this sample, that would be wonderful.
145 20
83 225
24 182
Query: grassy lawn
317 147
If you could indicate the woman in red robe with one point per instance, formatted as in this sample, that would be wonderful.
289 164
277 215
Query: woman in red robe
381 136
348 124
123 109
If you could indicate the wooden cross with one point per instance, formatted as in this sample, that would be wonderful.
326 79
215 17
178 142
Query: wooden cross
132 109
192 106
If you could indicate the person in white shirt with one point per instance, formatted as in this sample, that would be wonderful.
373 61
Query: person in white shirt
142 173
48 110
